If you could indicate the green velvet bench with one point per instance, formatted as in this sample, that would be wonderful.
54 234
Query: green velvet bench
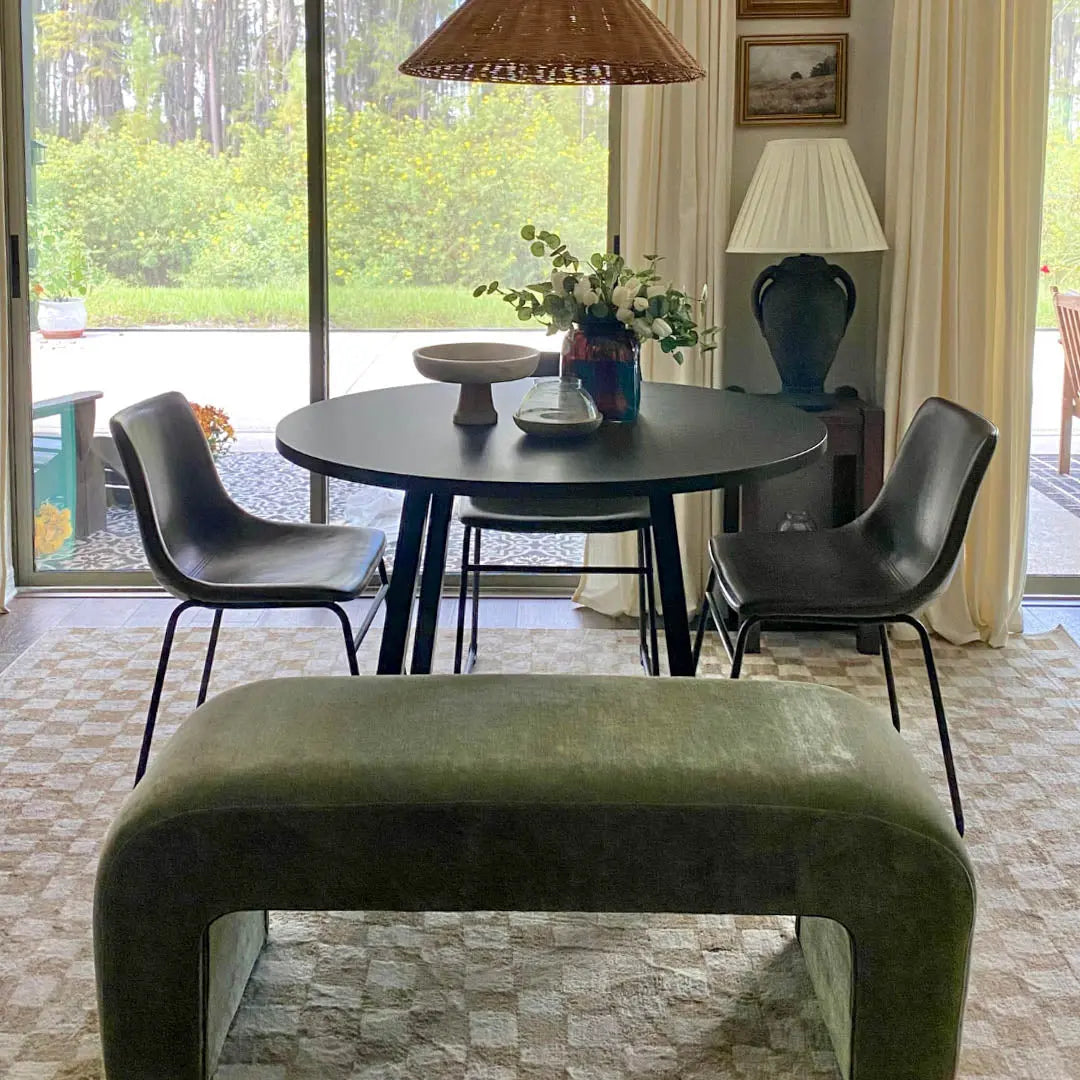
534 793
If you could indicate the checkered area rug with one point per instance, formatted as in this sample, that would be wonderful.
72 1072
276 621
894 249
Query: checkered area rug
528 996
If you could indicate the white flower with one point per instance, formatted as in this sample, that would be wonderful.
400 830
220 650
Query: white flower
582 288
643 329
625 315
656 290
558 281
661 328
620 296
641 304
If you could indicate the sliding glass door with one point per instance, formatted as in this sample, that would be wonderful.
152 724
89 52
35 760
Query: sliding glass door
428 186
244 201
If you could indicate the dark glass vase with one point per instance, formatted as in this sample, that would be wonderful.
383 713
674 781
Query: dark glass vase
606 357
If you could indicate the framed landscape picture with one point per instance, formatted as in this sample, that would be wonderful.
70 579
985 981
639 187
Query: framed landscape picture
794 9
793 80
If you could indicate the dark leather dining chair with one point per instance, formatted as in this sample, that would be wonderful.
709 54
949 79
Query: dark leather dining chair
209 552
880 568
556 516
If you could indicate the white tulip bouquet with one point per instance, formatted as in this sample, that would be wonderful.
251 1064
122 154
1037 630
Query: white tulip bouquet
605 291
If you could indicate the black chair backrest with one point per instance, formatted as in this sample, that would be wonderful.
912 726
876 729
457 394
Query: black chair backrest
922 512
179 498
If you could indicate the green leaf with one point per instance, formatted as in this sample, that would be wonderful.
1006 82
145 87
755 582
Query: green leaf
678 358
600 311
538 249
493 287
524 314
528 232
597 260
479 290
668 344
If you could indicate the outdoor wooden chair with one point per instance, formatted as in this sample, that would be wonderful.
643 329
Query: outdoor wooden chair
1067 311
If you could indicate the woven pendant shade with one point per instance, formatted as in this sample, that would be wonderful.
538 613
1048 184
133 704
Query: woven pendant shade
558 42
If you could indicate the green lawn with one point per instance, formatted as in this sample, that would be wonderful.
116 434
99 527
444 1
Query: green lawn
399 308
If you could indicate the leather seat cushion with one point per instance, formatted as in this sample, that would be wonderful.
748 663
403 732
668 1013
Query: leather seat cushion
833 571
282 563
556 515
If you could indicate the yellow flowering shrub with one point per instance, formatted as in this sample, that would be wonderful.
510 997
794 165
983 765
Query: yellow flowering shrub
52 528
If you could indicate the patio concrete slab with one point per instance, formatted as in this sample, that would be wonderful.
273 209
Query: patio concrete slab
256 376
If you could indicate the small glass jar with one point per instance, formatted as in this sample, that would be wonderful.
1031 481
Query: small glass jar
557 408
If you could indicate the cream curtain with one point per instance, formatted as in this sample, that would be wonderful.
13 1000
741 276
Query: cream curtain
674 196
5 404
966 143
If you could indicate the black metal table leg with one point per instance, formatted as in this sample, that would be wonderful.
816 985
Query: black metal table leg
395 636
431 582
672 592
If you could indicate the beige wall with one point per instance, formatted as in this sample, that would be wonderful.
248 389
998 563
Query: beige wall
746 358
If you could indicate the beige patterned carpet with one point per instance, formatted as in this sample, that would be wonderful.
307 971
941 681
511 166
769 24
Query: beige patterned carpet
497 996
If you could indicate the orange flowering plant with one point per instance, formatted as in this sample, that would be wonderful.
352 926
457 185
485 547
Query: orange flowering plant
216 427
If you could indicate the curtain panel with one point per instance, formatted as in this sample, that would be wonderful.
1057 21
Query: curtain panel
964 176
6 568
674 196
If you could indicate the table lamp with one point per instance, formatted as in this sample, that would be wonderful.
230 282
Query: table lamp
807 196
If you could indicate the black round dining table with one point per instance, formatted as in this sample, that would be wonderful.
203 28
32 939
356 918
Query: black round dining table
685 439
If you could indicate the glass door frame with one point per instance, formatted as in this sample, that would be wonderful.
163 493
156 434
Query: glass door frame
15 29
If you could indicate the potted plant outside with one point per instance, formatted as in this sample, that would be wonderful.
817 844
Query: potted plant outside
60 280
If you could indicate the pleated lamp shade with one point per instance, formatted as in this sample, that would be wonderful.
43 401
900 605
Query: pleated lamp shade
807 196
559 42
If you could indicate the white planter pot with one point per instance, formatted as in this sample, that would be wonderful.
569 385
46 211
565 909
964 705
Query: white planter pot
62 318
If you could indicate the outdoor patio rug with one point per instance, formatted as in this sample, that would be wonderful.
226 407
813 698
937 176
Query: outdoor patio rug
496 996
266 484
1063 490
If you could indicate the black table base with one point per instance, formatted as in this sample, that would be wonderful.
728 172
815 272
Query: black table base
421 552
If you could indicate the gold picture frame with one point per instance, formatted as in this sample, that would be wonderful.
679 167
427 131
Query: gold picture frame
794 9
793 79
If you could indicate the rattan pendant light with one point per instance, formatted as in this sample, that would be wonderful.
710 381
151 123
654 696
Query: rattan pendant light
558 42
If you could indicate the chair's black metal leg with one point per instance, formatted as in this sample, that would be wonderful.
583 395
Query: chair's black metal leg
650 590
470 659
382 572
939 712
431 582
399 599
372 611
672 591
740 646
159 682
211 648
643 647
890 682
463 595
350 645
703 616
